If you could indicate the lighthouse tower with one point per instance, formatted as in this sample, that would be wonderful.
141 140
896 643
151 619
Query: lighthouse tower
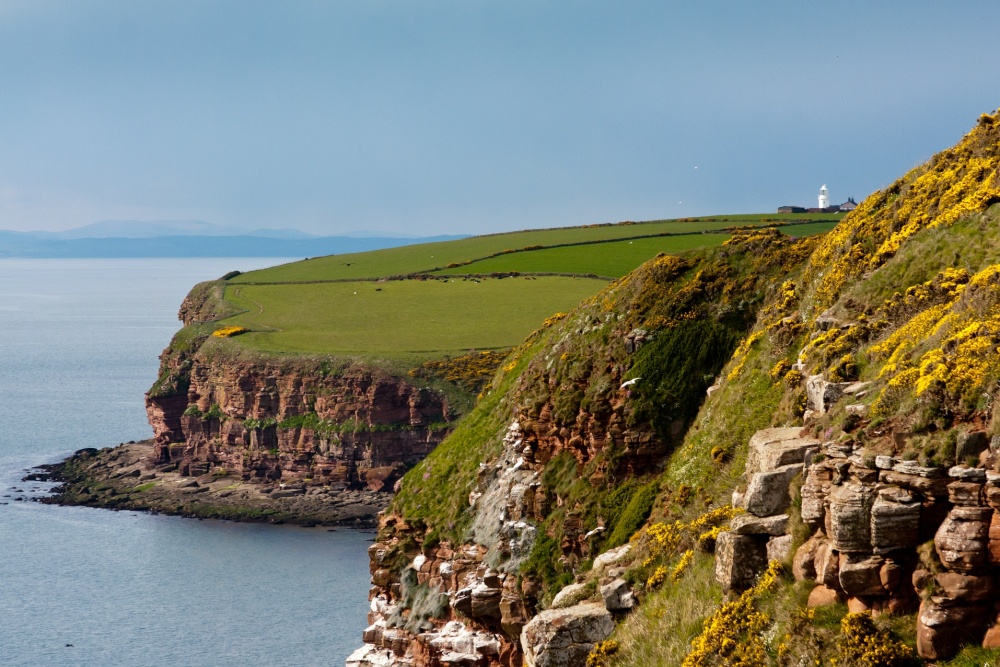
824 197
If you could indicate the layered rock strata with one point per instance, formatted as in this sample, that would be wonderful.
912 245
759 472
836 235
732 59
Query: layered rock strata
868 516
268 420
777 455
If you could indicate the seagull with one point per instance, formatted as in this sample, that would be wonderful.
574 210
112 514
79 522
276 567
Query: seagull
629 383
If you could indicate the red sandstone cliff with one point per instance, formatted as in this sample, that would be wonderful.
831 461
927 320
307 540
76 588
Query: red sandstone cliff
266 419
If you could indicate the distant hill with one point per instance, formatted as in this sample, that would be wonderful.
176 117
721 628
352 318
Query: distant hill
208 244
142 229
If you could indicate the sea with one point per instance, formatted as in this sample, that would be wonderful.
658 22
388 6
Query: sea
79 341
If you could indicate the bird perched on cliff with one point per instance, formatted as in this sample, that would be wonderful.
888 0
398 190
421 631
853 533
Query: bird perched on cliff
629 383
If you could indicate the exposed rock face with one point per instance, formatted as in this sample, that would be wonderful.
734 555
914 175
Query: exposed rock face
739 559
508 500
612 556
860 575
487 603
269 420
618 596
779 548
868 523
822 394
564 637
750 524
481 605
962 539
895 520
848 522
942 628
804 562
767 493
773 448
569 596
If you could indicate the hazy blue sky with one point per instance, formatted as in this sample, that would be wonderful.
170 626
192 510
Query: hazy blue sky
472 116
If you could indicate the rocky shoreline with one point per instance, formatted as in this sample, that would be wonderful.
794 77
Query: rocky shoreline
126 478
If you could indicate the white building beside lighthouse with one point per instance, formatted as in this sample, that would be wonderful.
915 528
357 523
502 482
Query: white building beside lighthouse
824 197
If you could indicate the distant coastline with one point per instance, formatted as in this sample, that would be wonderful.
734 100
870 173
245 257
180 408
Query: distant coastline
26 245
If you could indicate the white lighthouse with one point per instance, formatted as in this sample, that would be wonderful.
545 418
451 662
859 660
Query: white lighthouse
824 197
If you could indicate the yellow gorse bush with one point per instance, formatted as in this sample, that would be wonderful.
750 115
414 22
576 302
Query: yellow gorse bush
733 636
863 644
229 332
957 182
470 371
949 350
682 565
658 577
600 655
664 539
741 354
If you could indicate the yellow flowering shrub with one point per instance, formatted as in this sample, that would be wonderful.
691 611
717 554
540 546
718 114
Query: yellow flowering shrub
229 332
863 644
780 370
801 643
658 577
552 319
665 537
949 351
470 371
959 181
600 655
718 517
894 349
793 378
741 354
682 565
733 636
706 541
664 540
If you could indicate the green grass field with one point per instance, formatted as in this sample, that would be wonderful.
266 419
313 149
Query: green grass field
336 304
415 319
611 258
427 257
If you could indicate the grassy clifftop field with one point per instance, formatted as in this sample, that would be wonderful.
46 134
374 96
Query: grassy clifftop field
402 307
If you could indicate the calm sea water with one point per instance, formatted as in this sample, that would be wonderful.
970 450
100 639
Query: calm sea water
79 341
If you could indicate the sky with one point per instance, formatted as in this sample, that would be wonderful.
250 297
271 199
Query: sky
473 116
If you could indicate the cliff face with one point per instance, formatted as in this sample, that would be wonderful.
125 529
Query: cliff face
830 406
268 419
569 442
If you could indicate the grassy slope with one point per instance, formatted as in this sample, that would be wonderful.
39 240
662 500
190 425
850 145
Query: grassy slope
900 238
571 366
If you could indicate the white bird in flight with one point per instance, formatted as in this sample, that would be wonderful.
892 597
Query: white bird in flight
629 383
